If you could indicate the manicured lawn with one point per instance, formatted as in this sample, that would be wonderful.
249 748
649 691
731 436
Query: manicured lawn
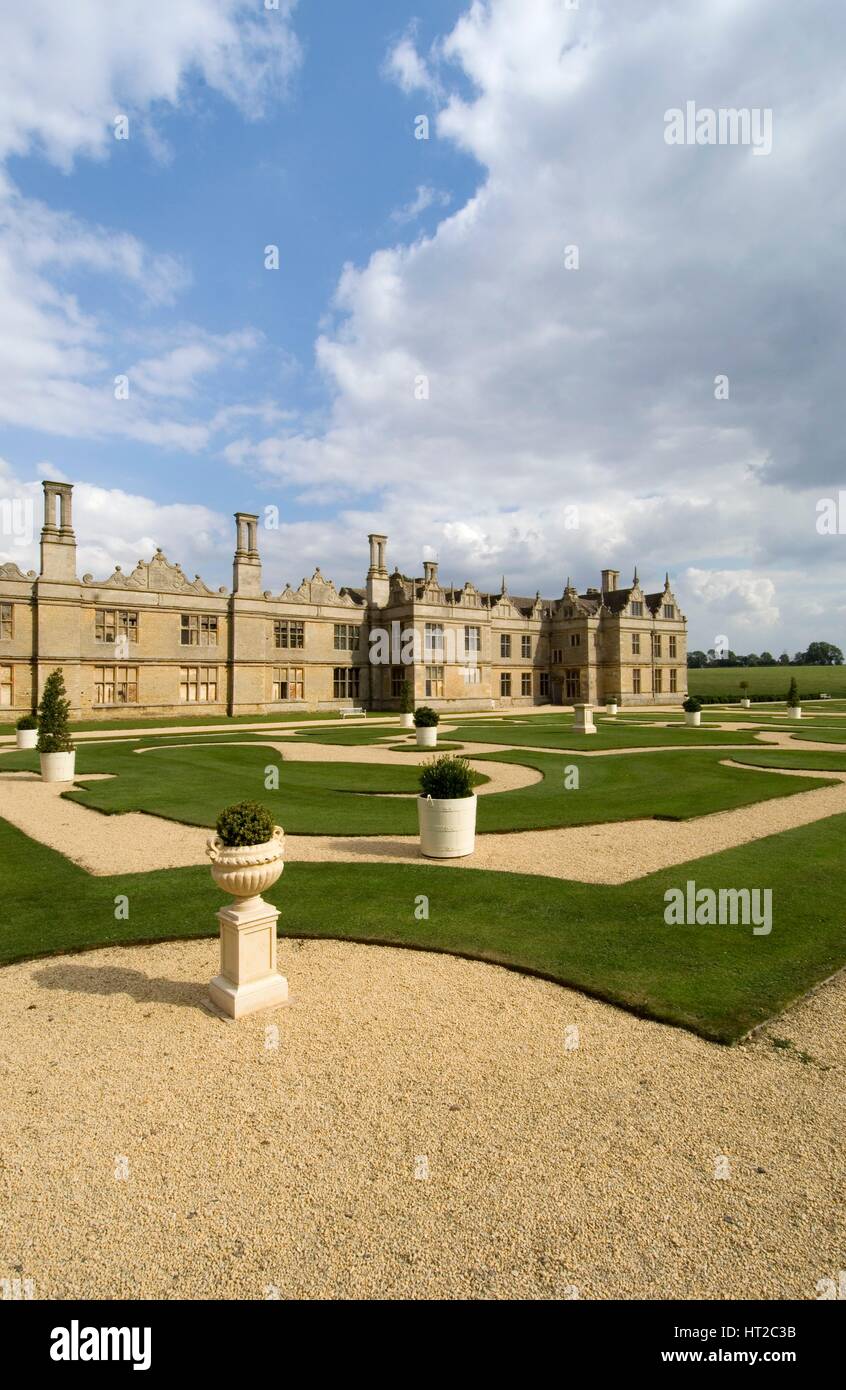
767 680
188 721
834 761
608 941
609 734
191 783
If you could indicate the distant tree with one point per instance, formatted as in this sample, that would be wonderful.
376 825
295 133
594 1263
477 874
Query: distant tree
823 654
766 659
799 659
784 659
697 660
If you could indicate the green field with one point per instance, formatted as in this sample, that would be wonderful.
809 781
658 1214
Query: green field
767 680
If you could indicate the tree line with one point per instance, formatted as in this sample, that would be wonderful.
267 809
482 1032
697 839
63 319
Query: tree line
818 654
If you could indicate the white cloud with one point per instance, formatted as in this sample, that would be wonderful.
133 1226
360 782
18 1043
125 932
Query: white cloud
67 70
424 198
405 66
738 597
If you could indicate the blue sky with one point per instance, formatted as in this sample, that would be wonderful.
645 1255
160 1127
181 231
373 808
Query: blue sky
551 388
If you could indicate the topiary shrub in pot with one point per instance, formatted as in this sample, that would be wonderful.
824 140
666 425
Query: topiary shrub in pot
692 712
27 731
247 852
611 705
794 703
406 706
426 722
744 699
446 808
54 743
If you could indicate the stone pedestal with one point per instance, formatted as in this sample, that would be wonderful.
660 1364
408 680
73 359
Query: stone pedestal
248 978
583 720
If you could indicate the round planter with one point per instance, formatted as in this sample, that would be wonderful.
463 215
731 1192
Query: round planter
27 738
447 828
406 721
427 736
795 712
247 871
693 718
57 767
746 704
611 707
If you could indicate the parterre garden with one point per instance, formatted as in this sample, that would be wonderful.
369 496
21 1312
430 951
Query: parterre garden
610 940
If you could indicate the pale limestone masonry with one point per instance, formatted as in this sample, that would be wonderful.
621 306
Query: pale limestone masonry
156 643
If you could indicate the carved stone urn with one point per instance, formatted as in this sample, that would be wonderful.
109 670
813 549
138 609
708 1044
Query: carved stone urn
248 979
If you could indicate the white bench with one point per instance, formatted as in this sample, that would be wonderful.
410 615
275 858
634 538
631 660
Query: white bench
356 710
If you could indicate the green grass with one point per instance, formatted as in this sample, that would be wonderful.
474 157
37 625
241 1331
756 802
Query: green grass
189 721
767 680
611 942
191 783
609 735
812 762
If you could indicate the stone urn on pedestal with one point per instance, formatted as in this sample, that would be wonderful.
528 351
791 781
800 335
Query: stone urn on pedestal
248 979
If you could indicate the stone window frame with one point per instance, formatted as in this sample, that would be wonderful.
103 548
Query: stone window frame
294 681
109 678
201 629
674 681
346 637
526 646
505 646
205 677
434 682
572 683
672 647
433 640
525 682
504 683
657 681
125 622
7 622
346 681
637 681
469 648
7 684
636 608
545 683
293 632
557 656
636 644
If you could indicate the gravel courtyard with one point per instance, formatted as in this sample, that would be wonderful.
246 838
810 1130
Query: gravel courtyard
419 1128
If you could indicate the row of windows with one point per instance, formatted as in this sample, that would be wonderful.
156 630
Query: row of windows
657 681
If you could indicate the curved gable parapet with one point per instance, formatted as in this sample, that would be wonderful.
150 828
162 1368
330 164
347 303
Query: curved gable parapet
158 575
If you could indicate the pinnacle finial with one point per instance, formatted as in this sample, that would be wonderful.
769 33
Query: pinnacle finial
503 585
667 580
635 580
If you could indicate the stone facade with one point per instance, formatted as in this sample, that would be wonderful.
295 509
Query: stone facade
155 643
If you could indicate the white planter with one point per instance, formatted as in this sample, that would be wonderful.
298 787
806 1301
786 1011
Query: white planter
246 871
611 707
583 720
27 738
746 703
57 767
427 736
406 721
693 718
447 828
795 712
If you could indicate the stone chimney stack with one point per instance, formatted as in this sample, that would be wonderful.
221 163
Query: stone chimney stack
246 568
378 584
430 571
610 579
58 542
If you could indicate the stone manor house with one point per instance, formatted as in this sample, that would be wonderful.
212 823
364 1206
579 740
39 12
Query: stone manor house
154 642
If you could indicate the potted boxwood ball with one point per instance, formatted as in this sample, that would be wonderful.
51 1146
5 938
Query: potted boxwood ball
611 705
794 703
27 731
692 711
426 722
406 706
446 808
247 852
54 743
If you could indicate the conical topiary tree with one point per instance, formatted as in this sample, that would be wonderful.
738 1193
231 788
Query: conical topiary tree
406 699
53 727
793 695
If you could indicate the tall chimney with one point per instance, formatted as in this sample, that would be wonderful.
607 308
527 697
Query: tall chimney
609 580
246 567
58 542
378 584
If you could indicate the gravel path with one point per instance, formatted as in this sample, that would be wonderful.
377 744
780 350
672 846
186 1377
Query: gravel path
254 1170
